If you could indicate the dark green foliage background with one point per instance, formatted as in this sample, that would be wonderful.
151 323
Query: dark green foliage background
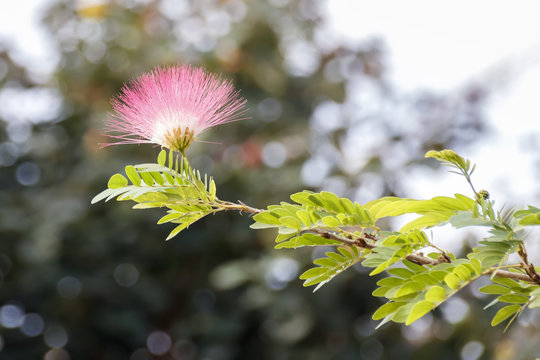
49 231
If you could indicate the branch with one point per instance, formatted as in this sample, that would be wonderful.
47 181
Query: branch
510 275
526 266
361 242
419 259
227 205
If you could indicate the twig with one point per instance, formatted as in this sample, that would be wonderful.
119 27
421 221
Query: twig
361 242
240 207
526 266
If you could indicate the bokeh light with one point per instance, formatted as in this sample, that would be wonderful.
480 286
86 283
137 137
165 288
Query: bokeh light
11 316
55 336
126 275
28 174
69 287
158 342
33 325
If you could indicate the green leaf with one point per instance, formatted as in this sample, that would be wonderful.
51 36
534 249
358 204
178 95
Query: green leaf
170 179
513 299
414 267
387 309
258 226
331 266
347 205
313 272
425 221
133 175
532 219
494 289
410 287
307 239
462 272
466 218
402 314
452 281
335 256
390 282
318 280
331 201
438 275
435 294
303 215
169 217
380 292
267 217
531 216
425 278
117 181
450 157
303 198
401 272
325 262
212 190
535 303
147 178
162 157
331 221
476 265
345 252
158 177
419 309
291 222
506 282
504 314
176 230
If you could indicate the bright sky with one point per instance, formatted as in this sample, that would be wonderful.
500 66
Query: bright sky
440 44
19 28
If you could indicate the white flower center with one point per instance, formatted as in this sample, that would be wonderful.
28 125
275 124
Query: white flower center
175 133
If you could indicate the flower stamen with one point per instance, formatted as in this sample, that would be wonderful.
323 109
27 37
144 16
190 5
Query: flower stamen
178 139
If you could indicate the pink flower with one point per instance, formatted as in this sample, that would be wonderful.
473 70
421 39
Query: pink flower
171 106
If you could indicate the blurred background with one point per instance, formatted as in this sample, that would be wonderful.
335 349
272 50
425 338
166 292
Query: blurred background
345 98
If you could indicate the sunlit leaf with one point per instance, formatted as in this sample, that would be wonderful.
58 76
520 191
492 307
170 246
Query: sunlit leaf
387 309
513 299
435 294
419 309
117 181
504 314
452 281
494 289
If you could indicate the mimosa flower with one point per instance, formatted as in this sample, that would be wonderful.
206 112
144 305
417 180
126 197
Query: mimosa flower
171 106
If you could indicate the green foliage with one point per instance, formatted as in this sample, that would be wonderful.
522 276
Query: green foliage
313 211
330 266
518 294
452 159
421 289
434 212
393 249
413 283
531 216
186 194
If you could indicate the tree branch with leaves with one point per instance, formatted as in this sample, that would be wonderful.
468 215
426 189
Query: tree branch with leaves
171 106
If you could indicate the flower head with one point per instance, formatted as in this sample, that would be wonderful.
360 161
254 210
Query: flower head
171 106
